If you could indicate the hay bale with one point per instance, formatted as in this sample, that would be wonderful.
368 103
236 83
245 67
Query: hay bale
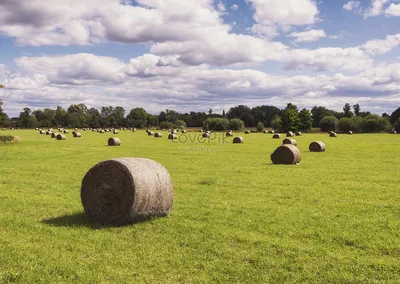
276 136
126 190
150 133
174 131
333 134
172 136
115 131
229 134
66 131
289 134
317 146
102 131
247 132
4 129
286 155
134 129
393 131
350 132
158 135
289 141
77 134
61 137
42 132
206 135
54 135
238 140
298 133
49 132
201 130
271 132
75 129
184 131
265 131
114 141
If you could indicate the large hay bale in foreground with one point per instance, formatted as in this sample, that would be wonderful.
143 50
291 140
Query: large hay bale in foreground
125 190
317 146
61 137
114 141
172 136
289 141
77 134
158 135
276 136
289 134
286 155
238 140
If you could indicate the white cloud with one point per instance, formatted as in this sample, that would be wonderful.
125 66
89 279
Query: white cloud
307 36
266 32
351 5
393 10
235 7
221 6
376 8
377 46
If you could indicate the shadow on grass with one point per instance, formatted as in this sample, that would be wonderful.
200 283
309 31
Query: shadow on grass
71 220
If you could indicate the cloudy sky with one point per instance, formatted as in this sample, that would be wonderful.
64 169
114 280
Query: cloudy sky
200 54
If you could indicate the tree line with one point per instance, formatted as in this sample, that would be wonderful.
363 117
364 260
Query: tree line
238 117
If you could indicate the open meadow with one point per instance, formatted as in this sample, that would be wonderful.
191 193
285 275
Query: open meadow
335 218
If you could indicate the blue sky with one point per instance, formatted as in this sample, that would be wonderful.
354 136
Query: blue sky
200 54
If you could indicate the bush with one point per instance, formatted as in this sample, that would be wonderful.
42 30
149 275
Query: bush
216 124
166 125
276 123
236 124
374 123
180 124
260 127
346 124
328 123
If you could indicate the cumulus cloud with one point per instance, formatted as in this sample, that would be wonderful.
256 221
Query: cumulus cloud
376 8
351 5
376 46
235 7
393 10
307 36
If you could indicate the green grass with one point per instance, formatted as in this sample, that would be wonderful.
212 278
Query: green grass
335 218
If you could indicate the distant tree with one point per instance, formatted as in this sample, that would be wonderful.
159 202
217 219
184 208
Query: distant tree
26 119
265 114
290 118
137 118
356 109
276 123
328 123
318 113
162 116
374 123
347 110
305 123
236 124
77 115
260 127
166 125
181 124
210 111
385 115
248 119
94 118
152 120
3 116
217 124
395 115
237 111
350 124
60 117
172 116
396 125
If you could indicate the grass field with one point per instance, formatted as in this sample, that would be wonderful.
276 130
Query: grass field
335 218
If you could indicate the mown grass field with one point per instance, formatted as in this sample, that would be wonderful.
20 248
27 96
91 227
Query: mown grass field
335 218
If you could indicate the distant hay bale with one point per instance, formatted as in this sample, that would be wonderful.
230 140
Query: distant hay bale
9 139
77 134
174 131
247 132
201 130
115 131
16 139
66 131
298 133
289 134
265 131
150 133
54 135
286 155
172 136
271 132
330 132
393 131
350 132
206 135
238 140
114 141
229 134
49 132
134 129
126 190
276 136
317 146
42 132
158 135
184 131
3 129
147 130
333 134
289 141
61 137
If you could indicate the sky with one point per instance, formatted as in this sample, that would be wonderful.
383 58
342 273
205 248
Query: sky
200 54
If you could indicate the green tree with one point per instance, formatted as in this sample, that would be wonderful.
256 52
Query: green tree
347 110
318 113
290 118
305 123
356 109
26 119
265 114
395 115
3 116
328 123
216 123
260 127
237 111
236 124
137 118
374 123
181 124
152 120
276 123
248 119
94 118
61 117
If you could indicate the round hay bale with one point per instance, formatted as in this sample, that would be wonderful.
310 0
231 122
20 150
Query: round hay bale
126 190
147 130
265 131
350 132
115 131
150 133
333 134
184 131
158 135
3 129
298 133
54 135
289 141
114 141
174 131
42 132
201 130
61 137
247 132
238 140
229 134
206 135
172 136
276 136
134 129
317 146
77 134
102 131
393 131
289 134
286 155
49 132
66 131
271 132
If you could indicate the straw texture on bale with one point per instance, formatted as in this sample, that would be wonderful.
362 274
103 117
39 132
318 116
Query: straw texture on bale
298 133
114 141
172 136
206 135
289 141
126 190
238 140
289 134
247 132
158 135
77 134
61 137
276 136
317 146
286 155
229 134
333 134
